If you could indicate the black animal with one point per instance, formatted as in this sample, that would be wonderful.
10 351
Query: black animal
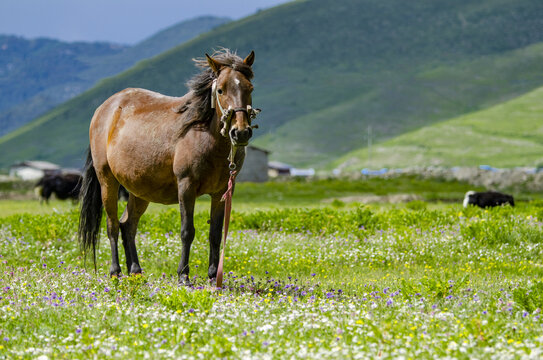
487 199
123 193
63 185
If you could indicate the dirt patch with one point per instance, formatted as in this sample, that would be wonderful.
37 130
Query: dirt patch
371 198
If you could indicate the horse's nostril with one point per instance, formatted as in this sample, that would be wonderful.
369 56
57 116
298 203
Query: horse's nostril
242 136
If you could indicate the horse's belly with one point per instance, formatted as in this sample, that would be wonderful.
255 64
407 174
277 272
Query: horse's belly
154 184
157 193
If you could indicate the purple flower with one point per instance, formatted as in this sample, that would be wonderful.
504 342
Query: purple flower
106 289
78 331
6 338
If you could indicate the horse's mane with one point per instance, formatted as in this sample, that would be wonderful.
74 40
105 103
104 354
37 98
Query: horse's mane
198 108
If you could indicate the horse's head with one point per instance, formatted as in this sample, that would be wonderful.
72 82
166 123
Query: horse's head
231 97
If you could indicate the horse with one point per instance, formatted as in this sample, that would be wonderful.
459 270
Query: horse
168 150
63 185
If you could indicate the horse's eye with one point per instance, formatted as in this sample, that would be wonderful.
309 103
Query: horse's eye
219 91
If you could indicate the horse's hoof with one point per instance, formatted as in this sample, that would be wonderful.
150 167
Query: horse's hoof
184 280
135 269
115 271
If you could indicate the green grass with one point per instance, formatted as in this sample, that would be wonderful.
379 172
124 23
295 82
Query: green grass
506 135
301 282
423 284
380 68
279 194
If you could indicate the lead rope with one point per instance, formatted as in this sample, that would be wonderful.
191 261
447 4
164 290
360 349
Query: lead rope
227 198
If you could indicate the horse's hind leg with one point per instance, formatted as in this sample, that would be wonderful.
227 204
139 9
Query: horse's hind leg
129 225
110 187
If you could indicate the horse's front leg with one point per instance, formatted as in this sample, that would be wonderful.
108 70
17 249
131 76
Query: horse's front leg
187 198
215 234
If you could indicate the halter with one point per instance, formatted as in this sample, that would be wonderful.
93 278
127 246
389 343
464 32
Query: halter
226 120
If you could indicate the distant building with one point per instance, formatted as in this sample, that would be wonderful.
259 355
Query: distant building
32 170
255 167
302 172
276 168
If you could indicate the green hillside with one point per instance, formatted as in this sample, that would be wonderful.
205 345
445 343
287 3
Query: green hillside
36 75
506 135
325 70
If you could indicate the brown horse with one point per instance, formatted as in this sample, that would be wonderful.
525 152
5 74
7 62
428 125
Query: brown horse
167 150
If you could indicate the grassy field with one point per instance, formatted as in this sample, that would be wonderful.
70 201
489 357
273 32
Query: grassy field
304 279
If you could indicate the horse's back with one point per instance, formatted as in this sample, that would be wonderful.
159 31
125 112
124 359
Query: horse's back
133 135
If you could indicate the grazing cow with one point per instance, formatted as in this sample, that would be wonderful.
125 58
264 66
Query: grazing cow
487 199
63 185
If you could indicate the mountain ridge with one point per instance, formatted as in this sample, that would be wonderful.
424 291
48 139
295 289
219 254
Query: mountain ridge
325 71
72 67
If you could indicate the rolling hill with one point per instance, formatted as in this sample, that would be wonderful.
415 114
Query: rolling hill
505 135
36 75
325 70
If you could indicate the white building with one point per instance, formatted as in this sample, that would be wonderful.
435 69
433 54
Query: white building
32 170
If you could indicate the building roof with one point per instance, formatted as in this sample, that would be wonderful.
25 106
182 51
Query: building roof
40 165
258 148
278 165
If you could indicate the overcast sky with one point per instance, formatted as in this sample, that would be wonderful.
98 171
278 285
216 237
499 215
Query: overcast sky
120 21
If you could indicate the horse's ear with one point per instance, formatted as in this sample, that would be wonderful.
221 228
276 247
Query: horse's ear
213 64
250 59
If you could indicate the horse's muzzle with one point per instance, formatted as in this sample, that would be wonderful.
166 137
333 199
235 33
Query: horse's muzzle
241 137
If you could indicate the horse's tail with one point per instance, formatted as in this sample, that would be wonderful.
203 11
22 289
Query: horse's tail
90 216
